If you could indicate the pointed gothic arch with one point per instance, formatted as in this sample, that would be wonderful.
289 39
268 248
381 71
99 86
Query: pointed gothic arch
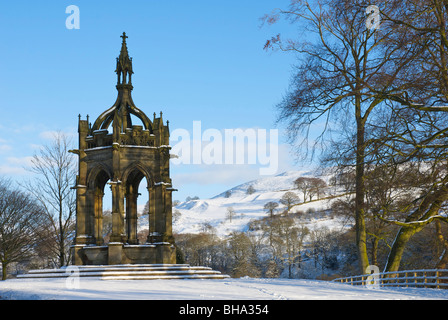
133 176
97 180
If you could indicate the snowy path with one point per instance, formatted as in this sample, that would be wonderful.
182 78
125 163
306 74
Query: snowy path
229 289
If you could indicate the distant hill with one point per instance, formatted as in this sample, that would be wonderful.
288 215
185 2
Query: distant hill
194 214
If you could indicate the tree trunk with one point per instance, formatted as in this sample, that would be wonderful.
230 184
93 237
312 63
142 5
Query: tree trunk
375 251
429 207
396 252
443 261
62 253
360 223
4 266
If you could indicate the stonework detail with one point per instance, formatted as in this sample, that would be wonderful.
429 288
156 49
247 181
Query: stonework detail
117 153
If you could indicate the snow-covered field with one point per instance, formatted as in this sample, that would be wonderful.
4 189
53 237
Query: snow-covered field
229 289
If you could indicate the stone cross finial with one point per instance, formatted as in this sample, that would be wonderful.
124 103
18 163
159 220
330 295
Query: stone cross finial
124 37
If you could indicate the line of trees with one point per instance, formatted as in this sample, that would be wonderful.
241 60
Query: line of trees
37 218
268 248
288 243
380 97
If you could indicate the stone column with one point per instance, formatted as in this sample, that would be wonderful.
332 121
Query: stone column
98 218
151 214
169 215
118 234
131 217
115 246
83 235
81 230
159 214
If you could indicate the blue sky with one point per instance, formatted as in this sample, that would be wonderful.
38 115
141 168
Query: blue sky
194 60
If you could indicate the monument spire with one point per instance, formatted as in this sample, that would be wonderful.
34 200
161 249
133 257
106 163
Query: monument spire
124 65
120 113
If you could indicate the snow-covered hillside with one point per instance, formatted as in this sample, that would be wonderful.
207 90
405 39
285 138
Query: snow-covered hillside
195 213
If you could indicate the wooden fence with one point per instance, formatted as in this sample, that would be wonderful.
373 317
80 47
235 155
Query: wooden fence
427 278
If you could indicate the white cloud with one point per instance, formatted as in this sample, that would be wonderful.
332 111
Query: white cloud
11 170
51 134
15 166
47 135
34 146
24 161
4 148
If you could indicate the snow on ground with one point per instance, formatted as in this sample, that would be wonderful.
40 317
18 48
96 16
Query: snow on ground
229 289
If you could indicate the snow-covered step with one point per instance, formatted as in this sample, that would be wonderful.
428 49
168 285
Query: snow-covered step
168 277
123 273
129 272
118 268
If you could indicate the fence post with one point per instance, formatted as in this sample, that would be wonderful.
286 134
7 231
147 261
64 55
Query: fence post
437 280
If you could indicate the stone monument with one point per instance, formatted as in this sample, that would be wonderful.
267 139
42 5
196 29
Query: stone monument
118 153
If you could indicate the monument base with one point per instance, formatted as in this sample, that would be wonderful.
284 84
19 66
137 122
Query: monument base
127 272
116 253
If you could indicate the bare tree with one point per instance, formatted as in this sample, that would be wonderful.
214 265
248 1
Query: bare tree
421 135
443 258
310 187
317 187
55 173
270 207
107 226
287 241
242 255
345 180
341 77
423 25
289 199
230 213
303 184
21 219
250 190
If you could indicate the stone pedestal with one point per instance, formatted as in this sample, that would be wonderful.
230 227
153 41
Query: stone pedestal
115 253
77 254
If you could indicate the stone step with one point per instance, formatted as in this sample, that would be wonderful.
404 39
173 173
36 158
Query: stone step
129 272
119 273
121 268
167 277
